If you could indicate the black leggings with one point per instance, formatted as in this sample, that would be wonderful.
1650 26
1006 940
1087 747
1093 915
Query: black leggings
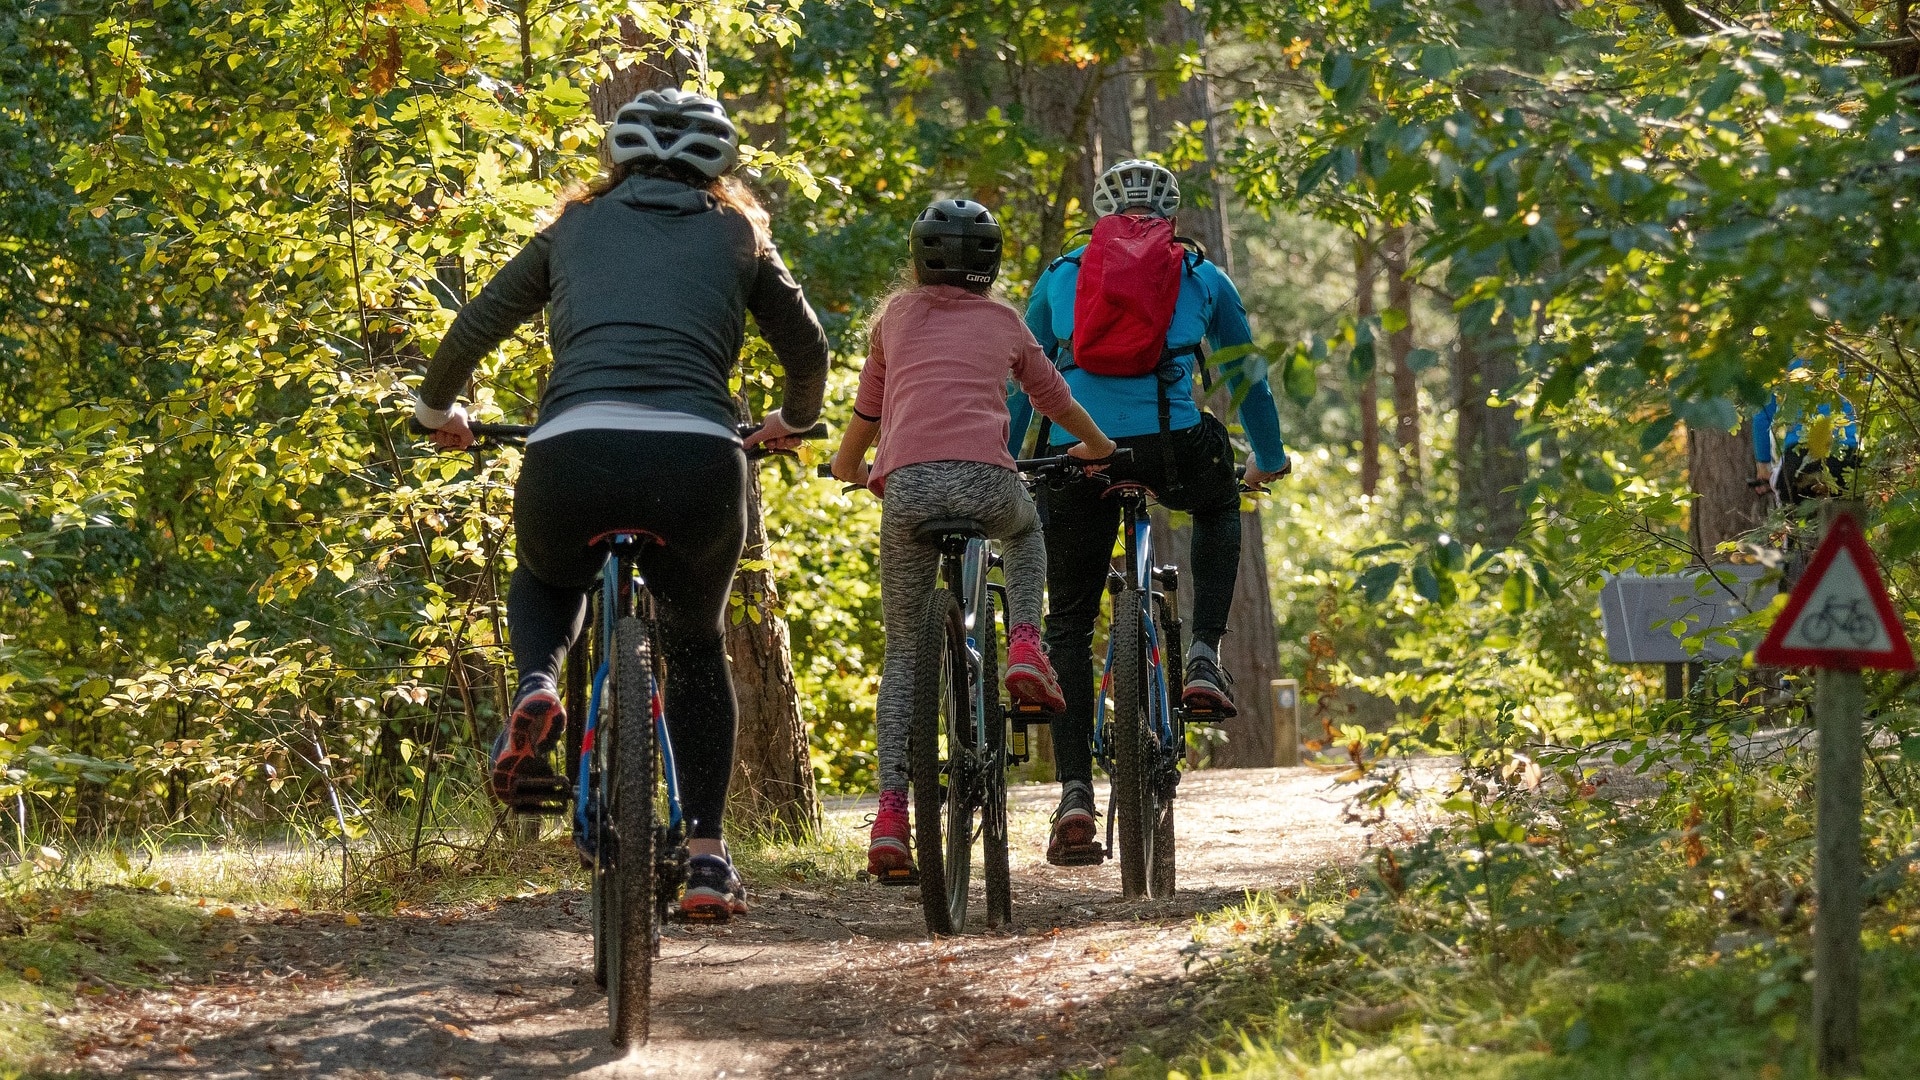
689 491
1080 525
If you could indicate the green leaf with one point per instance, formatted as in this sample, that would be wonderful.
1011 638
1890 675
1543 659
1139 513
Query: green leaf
1426 583
1336 70
1438 61
1378 581
1657 432
1360 361
1393 320
1314 173
1299 379
1379 549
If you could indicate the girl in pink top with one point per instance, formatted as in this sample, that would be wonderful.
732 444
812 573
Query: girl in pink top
934 392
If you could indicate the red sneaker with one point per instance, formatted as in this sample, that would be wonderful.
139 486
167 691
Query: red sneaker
536 722
1030 677
890 851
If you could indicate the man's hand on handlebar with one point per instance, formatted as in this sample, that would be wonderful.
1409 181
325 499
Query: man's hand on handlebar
775 434
1256 478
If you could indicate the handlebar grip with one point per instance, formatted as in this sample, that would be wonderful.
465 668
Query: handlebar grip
817 431
824 470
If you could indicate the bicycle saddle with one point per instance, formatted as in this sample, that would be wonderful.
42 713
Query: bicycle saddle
1127 487
642 535
935 528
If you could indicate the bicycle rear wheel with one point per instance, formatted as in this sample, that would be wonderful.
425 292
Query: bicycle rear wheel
937 766
634 779
993 781
1133 749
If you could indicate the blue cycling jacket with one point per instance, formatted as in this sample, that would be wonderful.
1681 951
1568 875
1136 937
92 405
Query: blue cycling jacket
1209 307
1846 435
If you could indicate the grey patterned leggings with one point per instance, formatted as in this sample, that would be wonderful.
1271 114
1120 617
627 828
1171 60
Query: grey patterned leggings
995 498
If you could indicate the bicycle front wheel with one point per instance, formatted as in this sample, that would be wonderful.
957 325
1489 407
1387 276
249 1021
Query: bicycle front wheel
1133 757
635 777
937 766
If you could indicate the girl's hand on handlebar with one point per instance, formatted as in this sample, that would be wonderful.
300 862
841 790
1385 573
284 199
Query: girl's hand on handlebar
1087 451
852 469
454 434
775 434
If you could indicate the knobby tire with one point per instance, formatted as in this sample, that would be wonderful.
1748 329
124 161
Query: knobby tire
993 786
635 783
939 693
1161 872
1133 757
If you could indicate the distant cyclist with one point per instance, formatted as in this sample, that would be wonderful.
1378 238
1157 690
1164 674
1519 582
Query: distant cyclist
933 392
1127 318
1795 474
649 276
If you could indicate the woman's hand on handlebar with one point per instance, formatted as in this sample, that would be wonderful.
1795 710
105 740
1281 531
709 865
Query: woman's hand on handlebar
453 432
775 434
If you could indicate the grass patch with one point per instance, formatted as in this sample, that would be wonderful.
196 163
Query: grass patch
59 946
1553 940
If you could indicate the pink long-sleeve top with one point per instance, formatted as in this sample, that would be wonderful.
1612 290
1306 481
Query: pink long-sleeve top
936 378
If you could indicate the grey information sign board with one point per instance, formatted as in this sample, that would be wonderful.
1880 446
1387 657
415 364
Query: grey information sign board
1639 612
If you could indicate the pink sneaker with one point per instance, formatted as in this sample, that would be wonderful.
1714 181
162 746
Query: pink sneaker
890 851
1030 677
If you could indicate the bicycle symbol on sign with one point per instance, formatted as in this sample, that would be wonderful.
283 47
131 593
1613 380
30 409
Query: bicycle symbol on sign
1851 620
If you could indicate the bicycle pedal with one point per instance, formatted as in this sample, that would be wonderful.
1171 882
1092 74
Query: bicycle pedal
546 795
900 875
1206 716
1083 855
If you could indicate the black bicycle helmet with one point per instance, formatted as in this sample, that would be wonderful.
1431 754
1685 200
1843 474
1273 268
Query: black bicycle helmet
956 242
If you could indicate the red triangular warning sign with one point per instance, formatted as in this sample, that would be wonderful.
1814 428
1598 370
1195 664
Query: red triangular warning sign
1838 615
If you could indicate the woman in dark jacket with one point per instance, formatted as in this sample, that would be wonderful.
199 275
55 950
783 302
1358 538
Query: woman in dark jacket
649 278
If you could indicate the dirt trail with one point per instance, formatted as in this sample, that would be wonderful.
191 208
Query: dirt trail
821 981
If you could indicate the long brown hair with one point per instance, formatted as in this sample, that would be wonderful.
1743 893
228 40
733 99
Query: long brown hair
728 191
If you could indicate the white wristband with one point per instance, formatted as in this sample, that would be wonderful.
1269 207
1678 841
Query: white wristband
436 419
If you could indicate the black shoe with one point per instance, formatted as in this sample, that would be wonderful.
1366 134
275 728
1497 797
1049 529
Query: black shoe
1207 694
714 891
1074 841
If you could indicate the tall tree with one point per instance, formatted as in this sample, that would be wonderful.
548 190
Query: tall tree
1719 465
1366 390
1249 650
1406 381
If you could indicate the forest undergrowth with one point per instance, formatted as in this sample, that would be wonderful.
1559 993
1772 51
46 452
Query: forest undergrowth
1642 921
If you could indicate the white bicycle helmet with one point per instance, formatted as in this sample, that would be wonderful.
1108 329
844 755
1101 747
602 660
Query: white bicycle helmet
1136 183
677 126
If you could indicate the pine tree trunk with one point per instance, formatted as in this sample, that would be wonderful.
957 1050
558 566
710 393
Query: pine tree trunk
1406 382
1366 396
1113 118
772 768
1719 464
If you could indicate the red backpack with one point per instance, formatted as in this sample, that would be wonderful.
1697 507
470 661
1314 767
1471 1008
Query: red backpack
1129 284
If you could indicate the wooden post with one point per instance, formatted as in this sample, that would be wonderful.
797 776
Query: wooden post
1839 708
1286 722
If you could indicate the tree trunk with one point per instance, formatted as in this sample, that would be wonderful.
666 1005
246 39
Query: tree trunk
1366 396
1062 106
1406 382
1113 118
1250 652
772 768
1492 467
1719 464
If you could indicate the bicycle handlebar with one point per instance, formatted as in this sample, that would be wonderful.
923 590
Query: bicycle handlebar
1063 463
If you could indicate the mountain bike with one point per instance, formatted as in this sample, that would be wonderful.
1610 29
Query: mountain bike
1139 733
957 743
621 782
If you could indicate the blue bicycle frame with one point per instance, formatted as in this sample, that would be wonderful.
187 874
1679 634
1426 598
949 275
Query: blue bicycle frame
610 593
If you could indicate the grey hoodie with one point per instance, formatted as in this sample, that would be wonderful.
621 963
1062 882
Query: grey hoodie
650 286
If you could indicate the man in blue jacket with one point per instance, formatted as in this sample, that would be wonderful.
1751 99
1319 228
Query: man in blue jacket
1797 476
1188 462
